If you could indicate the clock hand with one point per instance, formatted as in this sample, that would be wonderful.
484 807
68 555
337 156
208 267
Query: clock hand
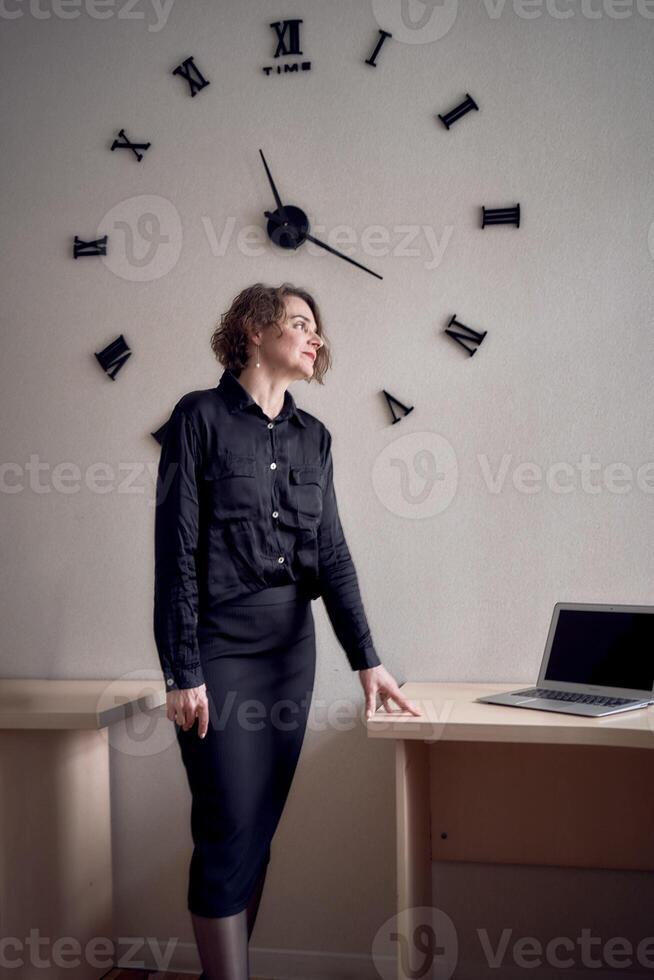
278 200
346 257
299 236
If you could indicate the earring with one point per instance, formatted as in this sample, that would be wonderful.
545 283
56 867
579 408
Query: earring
257 364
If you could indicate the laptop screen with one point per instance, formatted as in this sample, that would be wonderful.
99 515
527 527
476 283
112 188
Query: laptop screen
603 647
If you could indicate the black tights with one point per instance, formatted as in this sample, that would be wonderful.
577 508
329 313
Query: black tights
223 942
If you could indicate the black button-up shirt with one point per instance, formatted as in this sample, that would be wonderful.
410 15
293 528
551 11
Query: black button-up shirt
245 502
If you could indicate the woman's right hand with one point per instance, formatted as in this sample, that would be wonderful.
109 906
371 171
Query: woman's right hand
185 705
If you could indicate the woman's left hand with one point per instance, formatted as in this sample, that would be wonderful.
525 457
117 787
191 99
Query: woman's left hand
377 680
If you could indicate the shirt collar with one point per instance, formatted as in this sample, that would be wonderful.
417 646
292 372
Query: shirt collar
236 397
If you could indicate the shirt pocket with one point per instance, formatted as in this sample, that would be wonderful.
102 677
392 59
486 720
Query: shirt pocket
230 480
306 493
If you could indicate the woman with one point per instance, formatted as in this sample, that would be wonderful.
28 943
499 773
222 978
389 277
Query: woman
247 533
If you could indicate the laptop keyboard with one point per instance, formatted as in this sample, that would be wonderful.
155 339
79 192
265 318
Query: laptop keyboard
542 692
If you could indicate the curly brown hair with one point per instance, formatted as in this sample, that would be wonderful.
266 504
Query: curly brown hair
263 306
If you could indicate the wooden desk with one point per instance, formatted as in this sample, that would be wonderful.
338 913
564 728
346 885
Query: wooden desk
55 818
488 783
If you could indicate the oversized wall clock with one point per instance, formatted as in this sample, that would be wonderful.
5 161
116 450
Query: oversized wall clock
288 225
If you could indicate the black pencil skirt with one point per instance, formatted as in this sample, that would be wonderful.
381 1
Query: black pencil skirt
259 673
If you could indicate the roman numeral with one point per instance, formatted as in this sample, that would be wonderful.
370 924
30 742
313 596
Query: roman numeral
501 216
382 37
184 71
293 28
460 110
114 356
389 401
460 338
129 146
97 247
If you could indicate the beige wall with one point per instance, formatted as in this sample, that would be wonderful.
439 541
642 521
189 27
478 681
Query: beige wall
461 588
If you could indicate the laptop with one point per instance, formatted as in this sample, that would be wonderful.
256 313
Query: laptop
598 660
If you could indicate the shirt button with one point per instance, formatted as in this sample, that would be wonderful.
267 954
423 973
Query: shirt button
275 513
273 466
169 681
280 559
270 425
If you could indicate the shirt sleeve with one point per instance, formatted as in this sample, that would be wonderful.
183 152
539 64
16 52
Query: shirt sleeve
338 580
175 545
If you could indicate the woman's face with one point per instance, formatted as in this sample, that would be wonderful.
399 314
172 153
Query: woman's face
293 353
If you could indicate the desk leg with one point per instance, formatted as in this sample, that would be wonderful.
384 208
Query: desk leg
55 864
413 839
